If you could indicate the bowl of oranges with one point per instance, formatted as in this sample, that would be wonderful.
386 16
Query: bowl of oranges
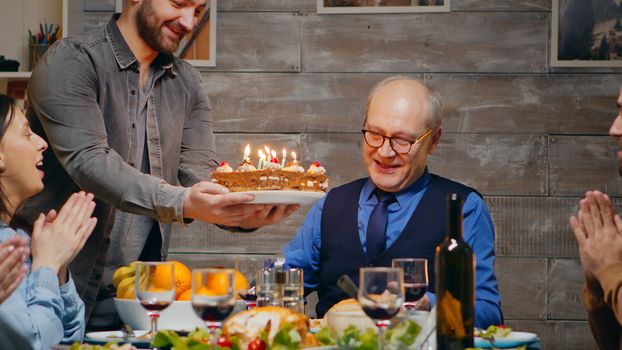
179 315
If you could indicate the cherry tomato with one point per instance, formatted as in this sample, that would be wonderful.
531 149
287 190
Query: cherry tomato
501 326
257 344
223 341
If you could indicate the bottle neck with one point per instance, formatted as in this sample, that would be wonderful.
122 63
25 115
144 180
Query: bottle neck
454 218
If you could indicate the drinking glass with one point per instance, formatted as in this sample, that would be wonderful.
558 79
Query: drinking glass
381 294
415 279
155 288
248 267
213 297
293 289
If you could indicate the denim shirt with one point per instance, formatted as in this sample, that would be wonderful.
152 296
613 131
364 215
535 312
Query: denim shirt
83 101
39 313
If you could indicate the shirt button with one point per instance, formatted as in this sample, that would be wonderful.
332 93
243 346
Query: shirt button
133 125
132 164
133 92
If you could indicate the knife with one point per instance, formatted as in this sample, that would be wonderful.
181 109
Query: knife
345 283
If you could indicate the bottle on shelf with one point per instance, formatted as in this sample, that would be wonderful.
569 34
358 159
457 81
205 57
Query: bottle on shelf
455 289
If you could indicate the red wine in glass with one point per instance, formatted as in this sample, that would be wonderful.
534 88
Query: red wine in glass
213 312
414 291
154 305
380 313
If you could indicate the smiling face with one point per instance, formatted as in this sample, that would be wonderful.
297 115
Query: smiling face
163 23
21 157
399 109
616 131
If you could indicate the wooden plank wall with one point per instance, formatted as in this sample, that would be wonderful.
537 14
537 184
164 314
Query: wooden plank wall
531 138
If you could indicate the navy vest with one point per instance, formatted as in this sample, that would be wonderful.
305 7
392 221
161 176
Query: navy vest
341 251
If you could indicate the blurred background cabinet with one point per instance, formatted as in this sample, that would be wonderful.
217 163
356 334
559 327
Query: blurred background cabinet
16 18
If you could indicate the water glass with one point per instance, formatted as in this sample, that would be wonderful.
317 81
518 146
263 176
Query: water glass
293 290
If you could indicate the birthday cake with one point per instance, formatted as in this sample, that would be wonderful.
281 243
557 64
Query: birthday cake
271 175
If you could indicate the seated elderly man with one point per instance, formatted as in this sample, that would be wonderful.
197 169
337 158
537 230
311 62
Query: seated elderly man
399 211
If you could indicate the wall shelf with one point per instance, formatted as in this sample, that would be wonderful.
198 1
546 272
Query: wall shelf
14 75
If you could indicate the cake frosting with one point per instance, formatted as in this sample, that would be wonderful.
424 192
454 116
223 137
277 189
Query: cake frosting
272 177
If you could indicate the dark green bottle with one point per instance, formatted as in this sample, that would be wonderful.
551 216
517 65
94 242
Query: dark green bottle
455 290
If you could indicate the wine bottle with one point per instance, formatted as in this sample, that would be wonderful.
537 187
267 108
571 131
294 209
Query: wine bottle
454 284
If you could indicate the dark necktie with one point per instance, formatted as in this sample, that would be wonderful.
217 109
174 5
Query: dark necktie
377 226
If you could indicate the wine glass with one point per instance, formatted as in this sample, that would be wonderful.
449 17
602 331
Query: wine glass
248 267
381 294
415 279
155 288
213 297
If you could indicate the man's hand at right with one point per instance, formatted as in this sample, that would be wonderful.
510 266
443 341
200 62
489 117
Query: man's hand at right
214 203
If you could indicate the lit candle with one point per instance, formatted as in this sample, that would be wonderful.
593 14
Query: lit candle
283 160
294 156
273 159
267 152
261 159
247 154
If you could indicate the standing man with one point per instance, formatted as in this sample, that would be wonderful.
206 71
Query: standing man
598 230
344 230
129 122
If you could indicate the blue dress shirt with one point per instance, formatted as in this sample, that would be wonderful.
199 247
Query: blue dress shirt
40 313
478 231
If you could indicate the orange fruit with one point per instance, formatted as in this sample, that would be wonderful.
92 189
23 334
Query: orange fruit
241 283
185 295
218 283
183 277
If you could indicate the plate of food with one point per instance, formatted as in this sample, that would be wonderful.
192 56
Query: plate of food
303 198
140 338
502 337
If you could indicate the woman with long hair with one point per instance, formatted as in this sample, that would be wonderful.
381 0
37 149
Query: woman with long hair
45 309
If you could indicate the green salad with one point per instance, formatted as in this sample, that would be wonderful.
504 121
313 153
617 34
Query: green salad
401 336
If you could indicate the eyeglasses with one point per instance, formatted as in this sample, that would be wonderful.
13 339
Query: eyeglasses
398 144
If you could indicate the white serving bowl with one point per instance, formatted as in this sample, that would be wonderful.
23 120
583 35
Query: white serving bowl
178 316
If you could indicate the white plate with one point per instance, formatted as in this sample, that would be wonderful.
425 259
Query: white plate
116 336
513 339
285 197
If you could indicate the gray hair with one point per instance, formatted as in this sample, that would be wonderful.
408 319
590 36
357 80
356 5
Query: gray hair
435 103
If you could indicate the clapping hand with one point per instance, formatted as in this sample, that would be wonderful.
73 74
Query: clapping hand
598 230
13 252
58 237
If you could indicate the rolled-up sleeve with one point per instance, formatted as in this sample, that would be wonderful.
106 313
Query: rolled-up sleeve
73 313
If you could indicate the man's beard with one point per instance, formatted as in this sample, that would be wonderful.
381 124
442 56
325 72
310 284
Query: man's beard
150 30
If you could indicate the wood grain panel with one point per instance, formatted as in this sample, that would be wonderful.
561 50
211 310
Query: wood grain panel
288 102
557 335
501 5
533 226
581 163
527 103
267 5
258 41
99 5
522 284
94 20
565 284
449 42
493 164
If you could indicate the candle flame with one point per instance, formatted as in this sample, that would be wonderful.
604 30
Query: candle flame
261 155
247 151
294 155
273 154
267 150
